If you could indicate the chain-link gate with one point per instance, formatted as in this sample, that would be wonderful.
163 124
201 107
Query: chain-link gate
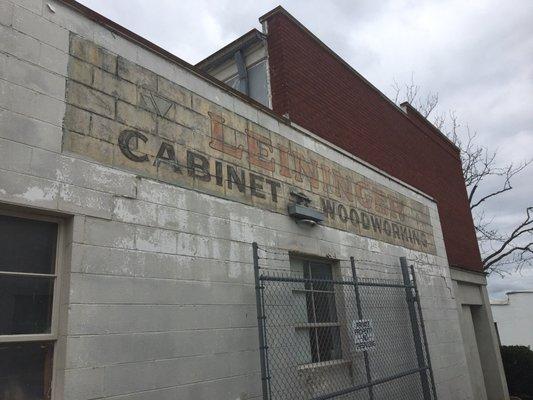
327 337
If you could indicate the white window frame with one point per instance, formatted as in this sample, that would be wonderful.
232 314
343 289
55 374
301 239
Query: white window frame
314 325
53 335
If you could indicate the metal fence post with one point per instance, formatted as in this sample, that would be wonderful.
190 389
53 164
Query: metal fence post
260 323
360 316
410 298
434 390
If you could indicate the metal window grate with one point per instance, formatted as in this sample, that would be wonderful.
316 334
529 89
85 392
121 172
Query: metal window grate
359 339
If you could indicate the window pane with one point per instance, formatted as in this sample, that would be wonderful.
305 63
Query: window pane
314 345
25 371
325 307
233 82
257 83
329 343
307 275
323 272
25 305
27 245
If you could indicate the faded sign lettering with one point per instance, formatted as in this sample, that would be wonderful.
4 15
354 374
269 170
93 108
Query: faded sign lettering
197 144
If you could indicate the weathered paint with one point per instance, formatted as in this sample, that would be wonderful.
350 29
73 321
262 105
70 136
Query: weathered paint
174 135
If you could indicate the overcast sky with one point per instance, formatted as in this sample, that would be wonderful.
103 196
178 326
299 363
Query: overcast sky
478 55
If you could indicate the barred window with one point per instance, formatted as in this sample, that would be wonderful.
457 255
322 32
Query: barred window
322 321
28 303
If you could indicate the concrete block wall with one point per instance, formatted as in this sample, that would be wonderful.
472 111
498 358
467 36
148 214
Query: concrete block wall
158 297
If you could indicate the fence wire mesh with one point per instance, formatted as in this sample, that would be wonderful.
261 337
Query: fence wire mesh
326 336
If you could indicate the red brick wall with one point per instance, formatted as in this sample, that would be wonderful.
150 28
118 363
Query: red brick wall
322 94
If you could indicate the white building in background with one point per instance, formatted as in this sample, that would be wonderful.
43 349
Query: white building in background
514 318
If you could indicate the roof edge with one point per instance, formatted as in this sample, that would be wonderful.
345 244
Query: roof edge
280 10
463 268
246 40
507 300
518 292
410 110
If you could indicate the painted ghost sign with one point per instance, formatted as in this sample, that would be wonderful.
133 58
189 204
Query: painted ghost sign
128 117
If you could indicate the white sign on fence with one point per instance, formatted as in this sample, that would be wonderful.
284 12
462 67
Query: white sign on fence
364 335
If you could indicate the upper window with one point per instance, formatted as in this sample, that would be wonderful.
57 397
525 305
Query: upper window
322 321
28 298
257 84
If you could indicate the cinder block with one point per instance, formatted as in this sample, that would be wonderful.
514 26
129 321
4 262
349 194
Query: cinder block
77 120
244 387
108 289
89 52
19 45
24 189
173 132
84 384
136 74
90 99
32 77
53 59
135 212
80 71
6 13
118 261
84 201
78 232
173 92
205 368
125 318
188 118
209 247
216 97
245 110
109 233
105 129
203 106
30 131
136 117
89 147
161 266
14 156
155 240
42 29
68 18
35 6
128 378
28 102
164 194
30 49
113 86
172 218
268 122
89 350
115 44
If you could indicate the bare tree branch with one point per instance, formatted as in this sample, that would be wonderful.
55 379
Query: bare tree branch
500 249
506 249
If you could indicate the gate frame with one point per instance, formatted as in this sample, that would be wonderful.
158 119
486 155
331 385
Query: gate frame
417 328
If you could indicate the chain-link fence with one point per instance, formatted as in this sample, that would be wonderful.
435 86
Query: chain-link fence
325 336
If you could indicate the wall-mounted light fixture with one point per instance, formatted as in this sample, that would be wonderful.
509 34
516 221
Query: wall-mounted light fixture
301 212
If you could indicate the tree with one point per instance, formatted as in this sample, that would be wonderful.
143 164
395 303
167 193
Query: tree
500 249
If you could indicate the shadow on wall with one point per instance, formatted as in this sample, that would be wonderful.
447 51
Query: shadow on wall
518 366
